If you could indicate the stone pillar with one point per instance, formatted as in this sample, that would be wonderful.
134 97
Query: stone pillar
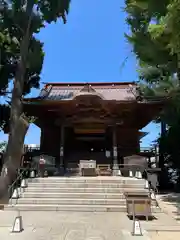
115 155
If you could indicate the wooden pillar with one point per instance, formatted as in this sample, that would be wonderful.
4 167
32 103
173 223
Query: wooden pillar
115 156
108 146
62 147
120 149
120 156
50 140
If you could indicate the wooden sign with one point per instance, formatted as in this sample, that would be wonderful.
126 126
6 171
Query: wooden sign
87 164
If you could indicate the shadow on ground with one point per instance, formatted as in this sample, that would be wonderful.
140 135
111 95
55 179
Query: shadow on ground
142 218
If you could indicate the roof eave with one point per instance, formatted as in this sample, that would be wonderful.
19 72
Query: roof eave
48 101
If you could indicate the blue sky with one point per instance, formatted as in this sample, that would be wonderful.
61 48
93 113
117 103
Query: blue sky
91 47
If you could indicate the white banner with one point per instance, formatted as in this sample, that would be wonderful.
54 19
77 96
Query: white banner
115 151
61 152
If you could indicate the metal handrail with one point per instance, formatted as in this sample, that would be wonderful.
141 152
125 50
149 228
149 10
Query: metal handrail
14 184
124 165
22 175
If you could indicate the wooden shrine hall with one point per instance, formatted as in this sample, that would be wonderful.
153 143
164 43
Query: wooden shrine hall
99 121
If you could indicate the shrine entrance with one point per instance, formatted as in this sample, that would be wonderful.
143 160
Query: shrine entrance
87 144
97 121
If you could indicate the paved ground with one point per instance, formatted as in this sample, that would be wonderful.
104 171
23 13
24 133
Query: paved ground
67 226
164 235
171 204
90 226
83 226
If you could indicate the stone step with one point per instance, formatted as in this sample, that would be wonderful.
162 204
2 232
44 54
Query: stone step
72 195
107 180
84 185
72 208
71 201
82 190
88 194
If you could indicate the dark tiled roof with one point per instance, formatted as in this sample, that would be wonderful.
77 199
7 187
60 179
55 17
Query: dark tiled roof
117 92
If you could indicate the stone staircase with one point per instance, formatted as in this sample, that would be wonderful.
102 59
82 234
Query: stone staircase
88 194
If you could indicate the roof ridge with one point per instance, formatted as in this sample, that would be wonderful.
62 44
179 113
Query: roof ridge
87 88
89 83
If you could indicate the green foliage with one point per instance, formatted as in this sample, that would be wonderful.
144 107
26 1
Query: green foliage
13 25
51 10
155 38
155 31
3 146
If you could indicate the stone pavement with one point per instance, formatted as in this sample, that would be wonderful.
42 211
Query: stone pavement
85 226
68 226
170 203
164 235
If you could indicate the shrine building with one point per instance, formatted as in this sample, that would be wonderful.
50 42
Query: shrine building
99 121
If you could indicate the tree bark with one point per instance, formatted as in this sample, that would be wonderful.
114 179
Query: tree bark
178 67
18 125
163 183
13 155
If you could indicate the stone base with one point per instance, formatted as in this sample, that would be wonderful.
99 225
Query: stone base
116 171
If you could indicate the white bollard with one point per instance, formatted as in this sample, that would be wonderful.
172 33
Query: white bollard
17 225
20 190
153 197
130 173
24 183
46 173
139 175
115 170
32 174
119 173
136 228
146 184
15 194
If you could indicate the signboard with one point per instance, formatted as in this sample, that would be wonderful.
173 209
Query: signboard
87 164
108 154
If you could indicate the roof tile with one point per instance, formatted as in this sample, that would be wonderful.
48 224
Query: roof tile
119 93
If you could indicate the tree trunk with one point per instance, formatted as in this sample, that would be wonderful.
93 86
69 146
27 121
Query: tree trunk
178 67
13 154
18 125
163 174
